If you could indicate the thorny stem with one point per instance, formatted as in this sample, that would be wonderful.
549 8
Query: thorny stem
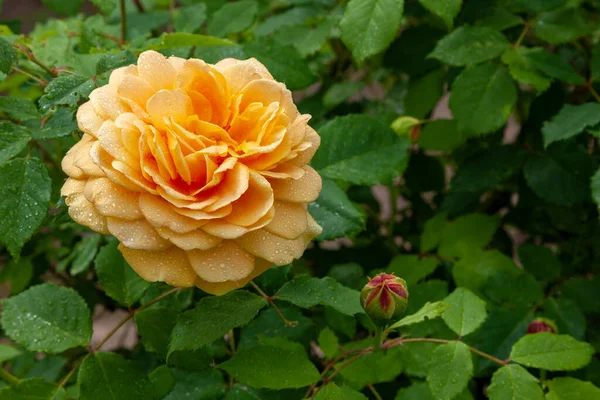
372 389
387 345
272 304
522 35
113 38
132 314
35 60
40 81
8 377
139 5
123 21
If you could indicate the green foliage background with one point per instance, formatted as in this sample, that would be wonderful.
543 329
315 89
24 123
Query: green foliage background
477 120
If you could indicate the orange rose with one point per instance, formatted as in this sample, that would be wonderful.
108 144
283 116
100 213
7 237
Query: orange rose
199 170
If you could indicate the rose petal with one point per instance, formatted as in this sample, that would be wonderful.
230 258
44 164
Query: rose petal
226 262
254 203
267 91
139 235
303 190
107 103
290 220
170 266
117 75
157 70
234 184
112 200
109 137
240 72
196 239
161 213
271 247
314 141
219 288
136 89
84 213
87 119
173 104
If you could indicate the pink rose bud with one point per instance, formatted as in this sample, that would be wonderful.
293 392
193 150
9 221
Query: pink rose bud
384 298
542 325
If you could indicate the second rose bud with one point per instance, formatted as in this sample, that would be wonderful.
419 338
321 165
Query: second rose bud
384 298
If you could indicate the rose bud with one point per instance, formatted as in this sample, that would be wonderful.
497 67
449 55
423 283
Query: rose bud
542 325
384 298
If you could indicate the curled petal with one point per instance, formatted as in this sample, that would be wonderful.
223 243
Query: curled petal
138 235
271 247
219 288
81 210
170 266
88 120
161 213
303 190
112 200
192 240
226 262
107 103
253 204
312 142
157 70
240 73
167 104
290 220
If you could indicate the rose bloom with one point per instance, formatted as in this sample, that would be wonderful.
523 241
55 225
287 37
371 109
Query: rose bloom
199 170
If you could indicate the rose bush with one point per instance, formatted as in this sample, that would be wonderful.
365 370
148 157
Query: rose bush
160 182
199 170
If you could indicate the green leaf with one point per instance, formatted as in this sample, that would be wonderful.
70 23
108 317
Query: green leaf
411 267
447 10
155 325
269 324
561 25
306 292
482 98
329 343
551 352
47 318
488 169
105 6
162 379
13 139
276 363
369 26
570 121
567 315
119 280
8 55
283 62
182 39
416 391
24 197
212 318
8 353
18 108
288 18
561 175
424 93
523 70
427 312
112 61
415 357
442 135
84 253
33 389
540 261
360 149
66 89
567 388
335 213
61 123
585 292
110 376
338 93
232 18
513 382
467 233
450 370
205 385
189 19
331 391
469 45
432 232
466 312
552 65
500 19
372 368
63 7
